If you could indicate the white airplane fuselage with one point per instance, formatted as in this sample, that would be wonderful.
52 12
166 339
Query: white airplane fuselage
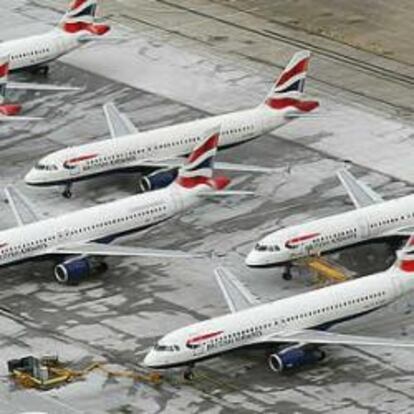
316 309
102 222
377 221
39 50
130 152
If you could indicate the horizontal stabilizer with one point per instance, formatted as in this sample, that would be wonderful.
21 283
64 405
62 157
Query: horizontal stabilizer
237 296
19 119
296 115
360 194
98 249
226 193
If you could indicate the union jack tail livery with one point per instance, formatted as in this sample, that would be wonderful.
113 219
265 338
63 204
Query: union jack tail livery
289 87
4 74
199 168
81 17
6 109
405 256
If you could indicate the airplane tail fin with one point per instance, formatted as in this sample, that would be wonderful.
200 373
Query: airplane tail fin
81 17
6 109
289 87
405 257
200 165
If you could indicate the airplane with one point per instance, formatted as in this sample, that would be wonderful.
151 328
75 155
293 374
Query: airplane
77 238
372 219
129 149
77 27
10 110
295 328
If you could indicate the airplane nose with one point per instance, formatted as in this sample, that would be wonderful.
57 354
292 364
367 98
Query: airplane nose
149 359
252 259
30 177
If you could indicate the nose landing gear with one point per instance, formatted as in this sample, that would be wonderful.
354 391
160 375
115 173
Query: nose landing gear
67 192
188 373
287 272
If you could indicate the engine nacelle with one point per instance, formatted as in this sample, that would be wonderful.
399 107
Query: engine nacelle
157 180
296 357
73 271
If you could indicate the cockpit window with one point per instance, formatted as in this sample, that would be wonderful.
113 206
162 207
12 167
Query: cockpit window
45 167
166 348
267 247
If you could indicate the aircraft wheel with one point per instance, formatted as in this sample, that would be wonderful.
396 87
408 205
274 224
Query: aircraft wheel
67 194
287 275
188 374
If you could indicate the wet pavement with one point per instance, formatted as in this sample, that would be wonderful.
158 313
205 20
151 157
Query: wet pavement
116 316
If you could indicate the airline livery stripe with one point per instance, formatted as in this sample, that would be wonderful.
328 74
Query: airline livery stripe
204 337
407 265
210 144
4 70
81 158
282 103
300 239
300 67
77 3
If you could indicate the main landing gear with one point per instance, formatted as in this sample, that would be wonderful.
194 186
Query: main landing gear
67 192
44 70
287 272
188 373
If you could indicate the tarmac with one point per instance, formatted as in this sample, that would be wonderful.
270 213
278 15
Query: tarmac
174 61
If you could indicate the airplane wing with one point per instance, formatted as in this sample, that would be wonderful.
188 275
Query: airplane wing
40 86
178 162
22 209
310 336
403 232
360 194
241 167
98 249
237 296
119 124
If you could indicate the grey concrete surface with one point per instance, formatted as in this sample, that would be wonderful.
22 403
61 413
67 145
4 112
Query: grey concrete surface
114 317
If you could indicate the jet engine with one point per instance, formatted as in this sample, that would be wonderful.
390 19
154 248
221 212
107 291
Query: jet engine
294 357
73 271
157 180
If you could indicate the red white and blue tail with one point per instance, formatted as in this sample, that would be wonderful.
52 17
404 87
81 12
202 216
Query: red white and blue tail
405 256
199 168
80 17
6 109
4 75
290 85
